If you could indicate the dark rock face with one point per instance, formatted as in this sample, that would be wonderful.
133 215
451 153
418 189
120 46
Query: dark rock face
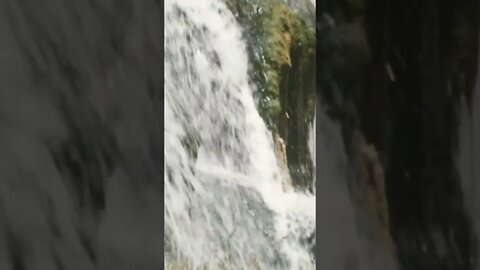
402 90
297 89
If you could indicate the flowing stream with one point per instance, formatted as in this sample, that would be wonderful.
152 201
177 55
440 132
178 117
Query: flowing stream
225 205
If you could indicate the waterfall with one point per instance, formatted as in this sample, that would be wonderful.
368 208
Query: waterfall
225 206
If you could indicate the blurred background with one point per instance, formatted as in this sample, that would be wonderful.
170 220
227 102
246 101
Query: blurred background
400 80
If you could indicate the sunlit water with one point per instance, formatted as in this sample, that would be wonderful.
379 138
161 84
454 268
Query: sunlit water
225 206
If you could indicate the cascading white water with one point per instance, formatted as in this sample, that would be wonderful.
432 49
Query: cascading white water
225 207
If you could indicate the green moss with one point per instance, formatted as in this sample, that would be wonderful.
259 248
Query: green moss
272 31
273 109
279 37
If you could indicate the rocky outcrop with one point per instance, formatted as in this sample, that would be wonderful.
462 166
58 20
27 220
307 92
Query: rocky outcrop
281 49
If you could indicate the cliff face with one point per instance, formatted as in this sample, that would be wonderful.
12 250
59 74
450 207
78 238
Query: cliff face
394 71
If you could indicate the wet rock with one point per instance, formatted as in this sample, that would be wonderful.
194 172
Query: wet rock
282 53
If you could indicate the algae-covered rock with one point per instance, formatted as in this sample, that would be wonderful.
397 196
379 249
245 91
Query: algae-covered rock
281 48
271 30
305 8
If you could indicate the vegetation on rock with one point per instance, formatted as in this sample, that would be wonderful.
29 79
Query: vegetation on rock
281 48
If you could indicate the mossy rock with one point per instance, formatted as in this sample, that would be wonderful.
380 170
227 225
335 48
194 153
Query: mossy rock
272 30
282 50
273 109
279 36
